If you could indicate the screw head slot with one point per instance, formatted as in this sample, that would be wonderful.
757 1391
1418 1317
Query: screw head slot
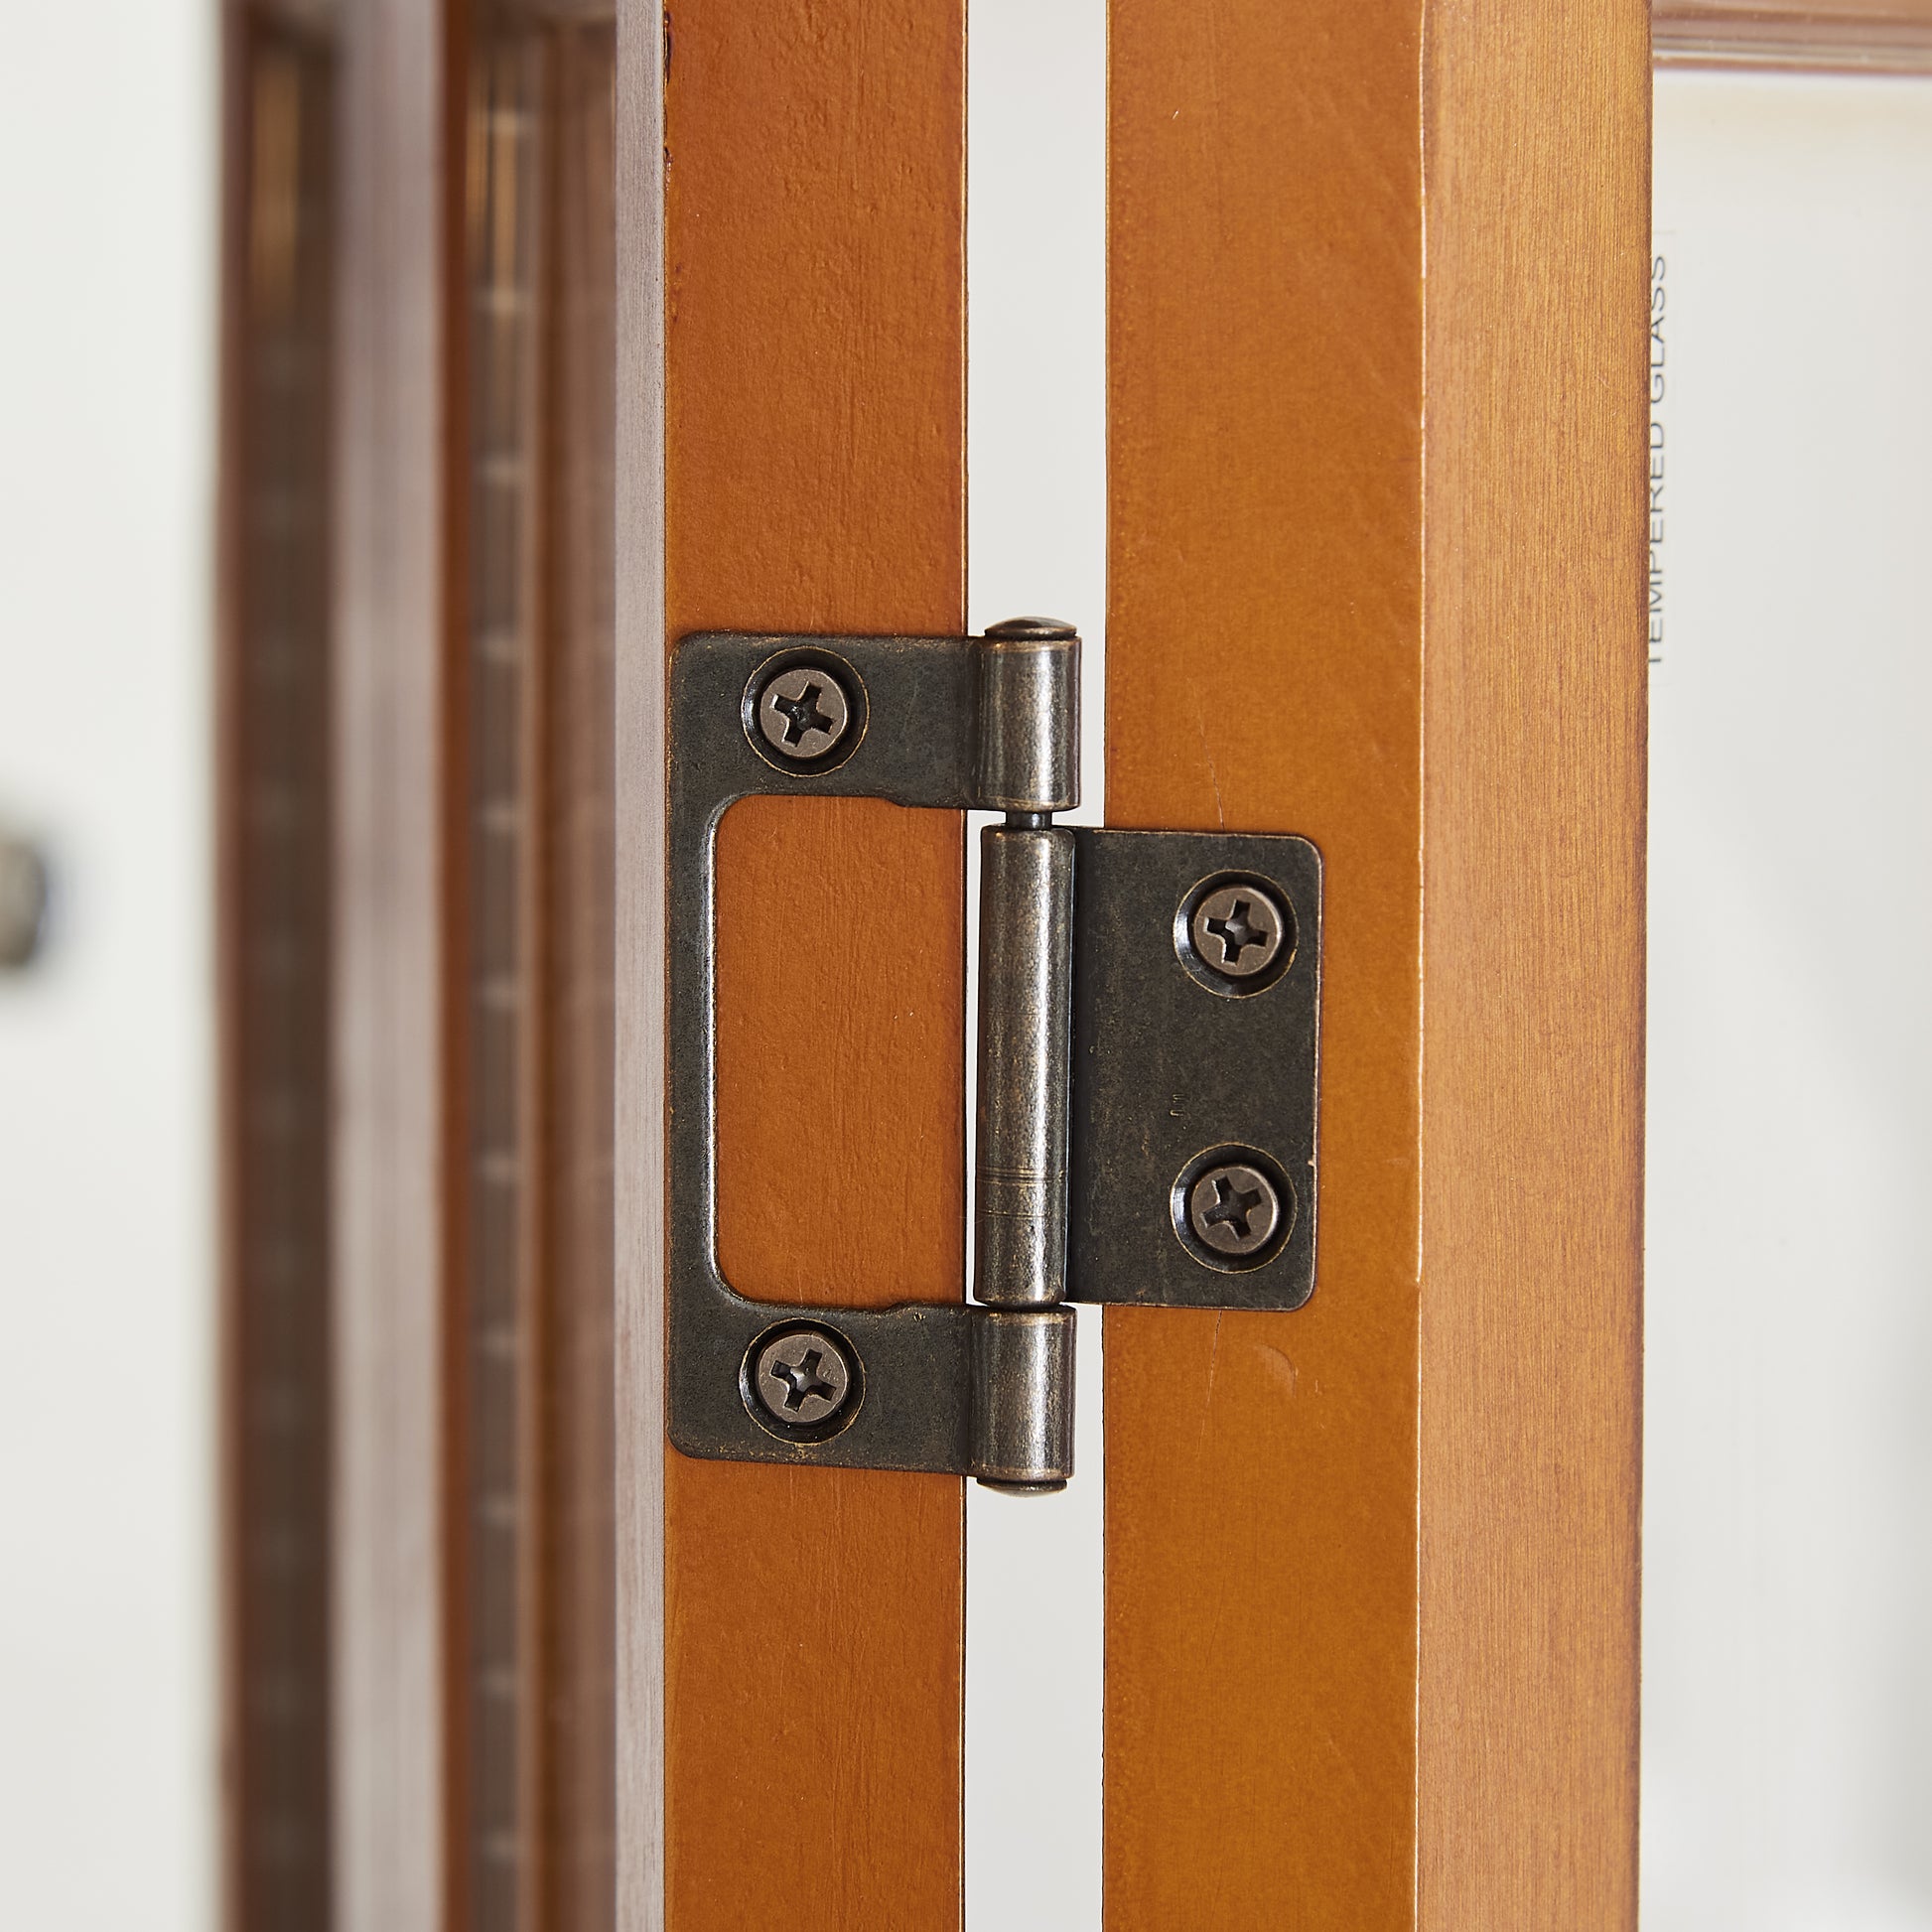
1233 1208
1235 934
804 712
802 1380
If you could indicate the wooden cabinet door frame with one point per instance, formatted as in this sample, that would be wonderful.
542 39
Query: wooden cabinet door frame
1378 289
791 455
1378 286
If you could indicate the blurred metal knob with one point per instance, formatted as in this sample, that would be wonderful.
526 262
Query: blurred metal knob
23 901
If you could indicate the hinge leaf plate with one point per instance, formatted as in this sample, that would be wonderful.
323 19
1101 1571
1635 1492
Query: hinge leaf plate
1173 1077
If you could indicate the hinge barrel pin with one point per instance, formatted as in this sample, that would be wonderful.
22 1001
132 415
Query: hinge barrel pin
1029 717
1021 1416
1025 1024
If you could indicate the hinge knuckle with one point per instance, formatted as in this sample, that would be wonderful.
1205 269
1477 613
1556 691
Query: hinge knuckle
1029 717
1022 1398
1025 1020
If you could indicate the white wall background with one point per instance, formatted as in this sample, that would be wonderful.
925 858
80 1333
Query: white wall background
1788 1513
107 1774
1036 500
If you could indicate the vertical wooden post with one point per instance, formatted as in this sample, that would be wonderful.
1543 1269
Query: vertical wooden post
812 478
1535 692
1376 415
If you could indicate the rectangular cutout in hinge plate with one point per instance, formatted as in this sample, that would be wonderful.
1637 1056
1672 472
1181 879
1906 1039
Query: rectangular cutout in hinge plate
1149 1042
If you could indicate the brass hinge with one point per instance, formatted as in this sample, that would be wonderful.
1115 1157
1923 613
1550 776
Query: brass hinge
1149 1020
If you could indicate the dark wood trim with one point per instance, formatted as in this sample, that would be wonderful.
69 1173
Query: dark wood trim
530 913
578 1419
275 893
393 458
1815 38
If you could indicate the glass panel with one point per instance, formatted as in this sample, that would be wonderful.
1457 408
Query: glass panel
1787 1721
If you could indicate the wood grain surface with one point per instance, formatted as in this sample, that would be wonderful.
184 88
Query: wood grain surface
1535 686
814 479
1286 491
